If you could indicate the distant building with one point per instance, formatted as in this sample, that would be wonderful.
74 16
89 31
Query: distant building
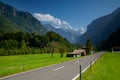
77 53
115 49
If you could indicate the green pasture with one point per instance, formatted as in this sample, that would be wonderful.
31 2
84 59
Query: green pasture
106 68
19 63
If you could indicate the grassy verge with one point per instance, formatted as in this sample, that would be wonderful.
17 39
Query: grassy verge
106 68
19 63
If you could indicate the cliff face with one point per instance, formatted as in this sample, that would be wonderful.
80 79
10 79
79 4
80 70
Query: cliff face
19 20
102 27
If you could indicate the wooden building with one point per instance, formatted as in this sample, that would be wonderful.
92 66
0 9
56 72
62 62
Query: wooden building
77 53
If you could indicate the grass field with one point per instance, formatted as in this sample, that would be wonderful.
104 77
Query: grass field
19 63
106 68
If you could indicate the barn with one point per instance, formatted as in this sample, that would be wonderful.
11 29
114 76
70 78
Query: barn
77 53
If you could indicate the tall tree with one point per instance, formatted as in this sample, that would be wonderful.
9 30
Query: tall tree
53 47
89 46
62 51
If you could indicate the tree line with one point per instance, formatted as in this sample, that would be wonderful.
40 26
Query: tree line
19 43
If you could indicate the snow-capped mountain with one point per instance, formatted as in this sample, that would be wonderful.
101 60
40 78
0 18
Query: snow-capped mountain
68 34
57 23
65 26
60 26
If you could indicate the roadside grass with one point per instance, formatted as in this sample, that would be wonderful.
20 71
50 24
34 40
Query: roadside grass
20 63
106 68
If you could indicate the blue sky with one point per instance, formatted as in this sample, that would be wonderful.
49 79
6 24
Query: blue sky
78 13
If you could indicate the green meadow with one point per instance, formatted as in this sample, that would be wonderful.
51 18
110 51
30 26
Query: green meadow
20 63
106 68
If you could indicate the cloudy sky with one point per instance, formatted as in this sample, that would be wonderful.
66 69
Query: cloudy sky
77 13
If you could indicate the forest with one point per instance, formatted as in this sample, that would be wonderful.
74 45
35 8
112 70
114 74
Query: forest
20 43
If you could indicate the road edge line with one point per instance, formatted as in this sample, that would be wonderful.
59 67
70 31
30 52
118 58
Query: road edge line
84 69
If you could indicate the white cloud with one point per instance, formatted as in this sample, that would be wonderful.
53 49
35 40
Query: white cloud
57 23
47 17
67 25
65 22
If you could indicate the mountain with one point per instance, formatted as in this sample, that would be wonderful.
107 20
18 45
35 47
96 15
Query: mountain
60 26
13 20
113 40
102 27
7 25
57 23
69 34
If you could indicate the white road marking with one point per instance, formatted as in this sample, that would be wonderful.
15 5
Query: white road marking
81 72
76 77
58 68
77 62
25 72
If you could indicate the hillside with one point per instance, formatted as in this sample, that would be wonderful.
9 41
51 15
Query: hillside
112 41
102 27
13 20
7 25
17 43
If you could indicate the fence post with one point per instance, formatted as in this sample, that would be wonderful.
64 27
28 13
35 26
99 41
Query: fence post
90 66
80 73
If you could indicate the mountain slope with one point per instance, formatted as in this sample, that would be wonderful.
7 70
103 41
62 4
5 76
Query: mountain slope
102 27
114 39
19 20
68 34
6 25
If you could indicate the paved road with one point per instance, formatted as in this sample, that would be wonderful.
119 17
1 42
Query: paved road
62 71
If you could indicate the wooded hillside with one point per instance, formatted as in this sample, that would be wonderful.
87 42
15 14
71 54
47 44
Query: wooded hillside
32 43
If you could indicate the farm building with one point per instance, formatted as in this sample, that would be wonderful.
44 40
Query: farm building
77 53
115 49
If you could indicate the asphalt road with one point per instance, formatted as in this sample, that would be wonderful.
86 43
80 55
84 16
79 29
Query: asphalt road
63 71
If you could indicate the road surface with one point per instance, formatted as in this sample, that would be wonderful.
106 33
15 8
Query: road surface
63 71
